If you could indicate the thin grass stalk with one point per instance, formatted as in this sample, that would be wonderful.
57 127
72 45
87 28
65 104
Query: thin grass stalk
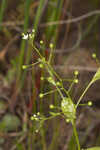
38 15
58 14
71 143
2 9
50 17
23 44
28 57
54 16
35 26
54 142
31 141
43 139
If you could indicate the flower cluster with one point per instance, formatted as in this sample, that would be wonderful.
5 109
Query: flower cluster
28 36
68 109
38 120
36 117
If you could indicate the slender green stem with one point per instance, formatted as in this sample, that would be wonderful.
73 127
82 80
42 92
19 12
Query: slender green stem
50 92
76 136
51 54
38 14
37 51
59 78
54 142
52 70
83 94
43 140
53 14
23 43
48 69
71 86
30 65
51 74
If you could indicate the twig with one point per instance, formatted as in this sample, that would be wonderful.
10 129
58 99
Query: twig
79 68
19 141
12 23
71 20
72 68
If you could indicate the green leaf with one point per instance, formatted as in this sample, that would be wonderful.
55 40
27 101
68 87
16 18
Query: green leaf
96 76
9 123
92 148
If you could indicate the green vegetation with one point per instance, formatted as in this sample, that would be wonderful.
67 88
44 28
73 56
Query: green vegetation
68 108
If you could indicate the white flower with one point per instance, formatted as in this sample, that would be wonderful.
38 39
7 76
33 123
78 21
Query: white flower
24 36
33 31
